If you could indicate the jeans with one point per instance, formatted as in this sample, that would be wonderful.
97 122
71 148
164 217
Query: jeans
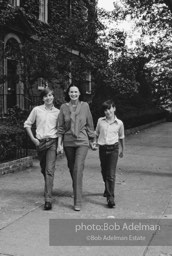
76 159
47 157
108 161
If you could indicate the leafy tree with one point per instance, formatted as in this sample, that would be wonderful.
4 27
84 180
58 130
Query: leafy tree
144 50
48 54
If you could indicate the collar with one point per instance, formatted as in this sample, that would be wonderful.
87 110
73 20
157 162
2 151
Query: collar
67 103
48 108
116 119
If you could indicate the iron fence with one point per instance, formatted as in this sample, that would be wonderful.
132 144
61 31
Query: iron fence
13 146
14 142
26 103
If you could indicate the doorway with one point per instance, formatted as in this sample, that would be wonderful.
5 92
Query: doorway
11 83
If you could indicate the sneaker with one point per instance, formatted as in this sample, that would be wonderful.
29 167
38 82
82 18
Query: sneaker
111 203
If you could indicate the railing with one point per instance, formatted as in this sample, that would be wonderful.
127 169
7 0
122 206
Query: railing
1 105
23 102
31 102
14 144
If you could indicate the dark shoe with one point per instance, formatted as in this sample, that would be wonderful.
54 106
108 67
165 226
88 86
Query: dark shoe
77 208
111 203
47 206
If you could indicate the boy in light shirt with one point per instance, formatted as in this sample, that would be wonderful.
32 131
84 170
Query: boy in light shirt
110 138
45 116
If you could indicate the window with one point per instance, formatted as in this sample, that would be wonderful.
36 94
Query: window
69 3
14 3
88 82
43 10
42 83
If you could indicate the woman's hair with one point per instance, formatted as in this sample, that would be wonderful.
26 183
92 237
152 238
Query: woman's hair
45 92
107 104
67 98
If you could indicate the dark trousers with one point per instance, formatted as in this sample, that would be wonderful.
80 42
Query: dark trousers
108 161
47 157
76 159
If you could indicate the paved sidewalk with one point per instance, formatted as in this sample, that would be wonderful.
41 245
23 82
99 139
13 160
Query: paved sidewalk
143 190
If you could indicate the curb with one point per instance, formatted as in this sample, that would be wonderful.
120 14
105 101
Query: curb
16 165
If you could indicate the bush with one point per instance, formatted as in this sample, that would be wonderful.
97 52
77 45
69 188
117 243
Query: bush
15 116
139 119
13 143
130 112
13 138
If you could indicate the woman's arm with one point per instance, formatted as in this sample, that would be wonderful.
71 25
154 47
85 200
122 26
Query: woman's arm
90 126
60 131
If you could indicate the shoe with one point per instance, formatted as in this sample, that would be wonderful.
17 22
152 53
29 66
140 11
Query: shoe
111 203
47 206
77 208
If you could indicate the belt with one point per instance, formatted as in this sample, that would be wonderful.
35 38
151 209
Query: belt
111 145
46 139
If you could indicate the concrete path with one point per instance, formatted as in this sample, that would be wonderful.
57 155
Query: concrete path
143 191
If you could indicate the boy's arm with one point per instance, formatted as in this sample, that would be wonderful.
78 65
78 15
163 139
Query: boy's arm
121 140
28 125
33 139
121 152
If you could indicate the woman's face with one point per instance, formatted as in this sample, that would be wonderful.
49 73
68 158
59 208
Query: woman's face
74 93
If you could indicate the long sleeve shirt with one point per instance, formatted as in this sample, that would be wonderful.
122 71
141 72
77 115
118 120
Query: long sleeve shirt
109 133
46 121
85 126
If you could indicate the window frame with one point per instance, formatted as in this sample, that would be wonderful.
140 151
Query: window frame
43 11
14 3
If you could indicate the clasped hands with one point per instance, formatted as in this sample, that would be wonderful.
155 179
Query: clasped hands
93 145
60 149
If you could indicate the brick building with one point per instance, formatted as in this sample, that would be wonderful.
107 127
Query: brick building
13 34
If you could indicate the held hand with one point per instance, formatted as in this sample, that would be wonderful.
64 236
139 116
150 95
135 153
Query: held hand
36 142
60 149
93 145
121 154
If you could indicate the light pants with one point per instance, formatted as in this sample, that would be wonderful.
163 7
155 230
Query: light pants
76 159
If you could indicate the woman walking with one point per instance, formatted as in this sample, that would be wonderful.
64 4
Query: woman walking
76 132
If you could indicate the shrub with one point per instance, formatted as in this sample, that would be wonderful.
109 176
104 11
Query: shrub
13 143
131 115
13 138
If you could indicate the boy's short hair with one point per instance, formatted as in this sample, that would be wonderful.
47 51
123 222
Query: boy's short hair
45 92
107 104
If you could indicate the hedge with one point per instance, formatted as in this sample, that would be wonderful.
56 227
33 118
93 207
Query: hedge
13 143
